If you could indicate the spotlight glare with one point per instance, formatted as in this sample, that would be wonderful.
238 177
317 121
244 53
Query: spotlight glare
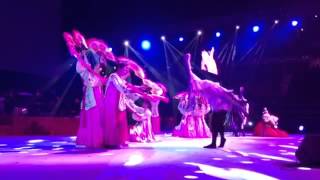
146 45
181 39
301 128
294 23
126 43
218 34
276 21
237 27
199 33
110 49
255 28
316 16
163 38
301 29
250 123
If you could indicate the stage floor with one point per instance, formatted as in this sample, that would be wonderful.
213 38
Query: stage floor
51 157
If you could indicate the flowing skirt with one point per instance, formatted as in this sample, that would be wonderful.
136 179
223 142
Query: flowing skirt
90 132
156 124
115 121
142 131
262 129
192 127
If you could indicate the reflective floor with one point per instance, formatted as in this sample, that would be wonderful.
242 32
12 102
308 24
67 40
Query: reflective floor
50 157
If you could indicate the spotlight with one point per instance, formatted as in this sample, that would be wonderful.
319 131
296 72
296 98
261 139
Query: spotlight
237 27
255 28
276 21
126 43
199 33
316 16
163 38
301 29
250 123
301 128
294 23
146 45
218 34
181 39
110 49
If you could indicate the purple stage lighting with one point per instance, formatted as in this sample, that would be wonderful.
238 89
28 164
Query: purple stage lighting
255 28
294 23
146 45
301 128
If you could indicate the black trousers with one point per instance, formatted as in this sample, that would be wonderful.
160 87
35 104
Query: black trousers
217 120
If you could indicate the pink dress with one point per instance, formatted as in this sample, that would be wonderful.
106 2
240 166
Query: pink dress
90 132
155 117
193 123
142 131
115 119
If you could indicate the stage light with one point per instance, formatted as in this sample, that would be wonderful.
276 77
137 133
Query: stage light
163 38
237 27
190 177
276 21
126 43
294 23
134 159
301 128
181 39
146 45
40 154
304 168
316 16
301 29
255 28
246 162
218 34
33 141
110 49
250 123
199 33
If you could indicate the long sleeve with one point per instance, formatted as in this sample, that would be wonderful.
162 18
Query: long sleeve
138 113
84 74
119 83
89 82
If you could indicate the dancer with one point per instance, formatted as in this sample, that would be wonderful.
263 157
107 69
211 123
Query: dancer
244 102
147 93
118 99
269 126
90 128
90 132
155 89
221 101
142 130
115 124
193 109
237 119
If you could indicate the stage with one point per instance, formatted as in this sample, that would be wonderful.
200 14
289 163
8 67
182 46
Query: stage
56 157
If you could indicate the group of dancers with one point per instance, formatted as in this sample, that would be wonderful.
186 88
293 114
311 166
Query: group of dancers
109 96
